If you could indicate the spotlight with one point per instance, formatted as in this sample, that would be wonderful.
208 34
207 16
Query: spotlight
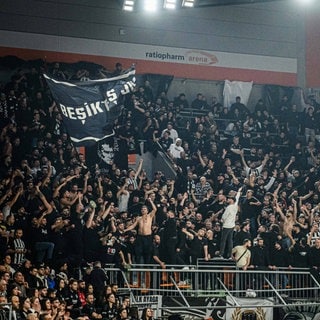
305 2
188 3
128 5
150 5
170 4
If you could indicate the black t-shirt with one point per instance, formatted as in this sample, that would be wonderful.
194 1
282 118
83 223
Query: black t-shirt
315 257
91 239
197 247
40 234
300 256
213 247
110 253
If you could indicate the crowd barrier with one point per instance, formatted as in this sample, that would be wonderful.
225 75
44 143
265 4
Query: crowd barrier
195 286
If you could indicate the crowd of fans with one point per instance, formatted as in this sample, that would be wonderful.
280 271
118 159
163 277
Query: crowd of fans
242 176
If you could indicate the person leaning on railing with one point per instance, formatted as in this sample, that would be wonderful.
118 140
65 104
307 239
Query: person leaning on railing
242 254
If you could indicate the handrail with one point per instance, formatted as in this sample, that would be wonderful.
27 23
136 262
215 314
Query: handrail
189 291
228 291
164 152
178 289
169 162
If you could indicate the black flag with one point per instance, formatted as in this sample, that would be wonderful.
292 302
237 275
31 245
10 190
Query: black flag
90 107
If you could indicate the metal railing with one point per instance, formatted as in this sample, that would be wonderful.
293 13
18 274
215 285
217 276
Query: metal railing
165 163
235 282
197 291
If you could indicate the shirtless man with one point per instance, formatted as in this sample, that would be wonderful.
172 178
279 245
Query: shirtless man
144 244
288 220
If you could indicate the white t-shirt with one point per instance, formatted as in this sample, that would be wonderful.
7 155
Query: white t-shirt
230 213
175 151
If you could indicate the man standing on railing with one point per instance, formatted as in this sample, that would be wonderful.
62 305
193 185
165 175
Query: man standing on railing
144 243
279 258
250 209
315 259
229 220
198 245
259 261
169 238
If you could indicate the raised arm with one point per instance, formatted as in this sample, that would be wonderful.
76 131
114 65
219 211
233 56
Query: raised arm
107 211
44 200
238 195
137 106
278 209
243 160
122 190
60 186
154 208
187 233
100 187
90 219
286 168
295 209
269 184
203 164
7 194
276 191
171 189
313 157
85 182
37 221
139 168
49 174
305 197
15 198
310 235
135 223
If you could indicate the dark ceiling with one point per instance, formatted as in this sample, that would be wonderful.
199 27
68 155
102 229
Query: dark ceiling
139 4
211 3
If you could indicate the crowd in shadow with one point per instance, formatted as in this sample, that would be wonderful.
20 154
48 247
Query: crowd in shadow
243 177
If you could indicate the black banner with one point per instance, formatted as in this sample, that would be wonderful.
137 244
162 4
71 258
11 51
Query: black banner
90 107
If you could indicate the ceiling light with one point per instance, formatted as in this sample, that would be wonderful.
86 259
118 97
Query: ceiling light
128 5
305 2
188 3
170 4
150 5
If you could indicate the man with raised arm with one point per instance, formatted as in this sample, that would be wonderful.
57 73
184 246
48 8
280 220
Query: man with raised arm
144 244
228 223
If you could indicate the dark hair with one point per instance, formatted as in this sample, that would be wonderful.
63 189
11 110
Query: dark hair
144 314
244 224
43 304
109 294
